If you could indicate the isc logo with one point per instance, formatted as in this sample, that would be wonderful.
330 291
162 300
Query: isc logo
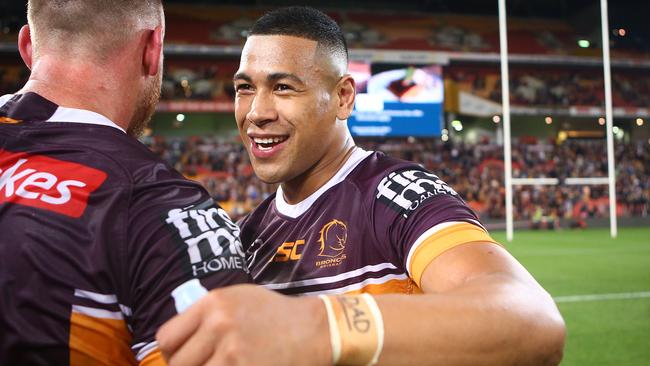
289 251
50 184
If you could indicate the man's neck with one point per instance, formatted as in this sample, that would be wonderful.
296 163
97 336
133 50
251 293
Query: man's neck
301 187
78 85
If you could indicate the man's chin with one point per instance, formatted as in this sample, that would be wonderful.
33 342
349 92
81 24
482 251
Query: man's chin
268 174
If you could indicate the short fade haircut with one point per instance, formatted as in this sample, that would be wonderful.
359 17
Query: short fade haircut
90 27
304 22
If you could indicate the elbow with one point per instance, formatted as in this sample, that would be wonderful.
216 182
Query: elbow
549 333
553 343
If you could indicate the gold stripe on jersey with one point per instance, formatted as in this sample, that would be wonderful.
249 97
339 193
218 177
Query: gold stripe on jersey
406 286
155 358
441 241
8 120
99 341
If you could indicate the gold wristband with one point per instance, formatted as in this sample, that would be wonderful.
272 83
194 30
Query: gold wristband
356 329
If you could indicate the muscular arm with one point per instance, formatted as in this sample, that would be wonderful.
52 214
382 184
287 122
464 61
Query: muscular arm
480 307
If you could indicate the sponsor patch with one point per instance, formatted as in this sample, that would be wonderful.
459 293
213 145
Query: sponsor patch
210 238
405 191
50 184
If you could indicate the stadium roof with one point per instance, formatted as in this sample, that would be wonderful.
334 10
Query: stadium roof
523 8
584 15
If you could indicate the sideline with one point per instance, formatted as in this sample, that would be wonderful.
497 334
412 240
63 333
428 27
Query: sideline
601 297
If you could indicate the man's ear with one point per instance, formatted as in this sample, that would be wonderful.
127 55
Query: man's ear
153 50
346 93
25 45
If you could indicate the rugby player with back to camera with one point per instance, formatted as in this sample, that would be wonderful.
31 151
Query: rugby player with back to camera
361 230
100 242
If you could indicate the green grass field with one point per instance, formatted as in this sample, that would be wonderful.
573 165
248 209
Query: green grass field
586 262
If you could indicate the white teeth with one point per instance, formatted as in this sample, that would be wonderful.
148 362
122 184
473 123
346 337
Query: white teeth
273 140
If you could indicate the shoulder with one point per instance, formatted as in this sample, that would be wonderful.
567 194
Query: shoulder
137 161
250 222
398 186
380 174
377 166
144 178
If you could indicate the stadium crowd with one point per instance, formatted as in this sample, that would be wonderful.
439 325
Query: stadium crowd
530 87
198 83
221 166
12 78
553 87
474 171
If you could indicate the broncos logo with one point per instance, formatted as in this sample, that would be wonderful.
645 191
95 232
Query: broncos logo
333 237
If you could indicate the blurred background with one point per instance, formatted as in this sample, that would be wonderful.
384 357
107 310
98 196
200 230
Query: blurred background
432 70
429 90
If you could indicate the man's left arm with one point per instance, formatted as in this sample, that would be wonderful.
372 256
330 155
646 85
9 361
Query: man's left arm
480 307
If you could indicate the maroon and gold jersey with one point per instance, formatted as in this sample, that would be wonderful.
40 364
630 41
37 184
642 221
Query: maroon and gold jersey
374 227
100 241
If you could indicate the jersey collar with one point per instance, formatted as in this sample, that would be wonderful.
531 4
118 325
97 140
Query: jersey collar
73 115
299 208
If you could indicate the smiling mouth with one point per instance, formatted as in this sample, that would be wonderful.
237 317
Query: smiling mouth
267 143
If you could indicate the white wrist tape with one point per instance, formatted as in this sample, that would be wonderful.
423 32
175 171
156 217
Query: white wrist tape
356 329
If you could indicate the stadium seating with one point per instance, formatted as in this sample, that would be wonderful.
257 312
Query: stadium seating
475 171
211 80
553 86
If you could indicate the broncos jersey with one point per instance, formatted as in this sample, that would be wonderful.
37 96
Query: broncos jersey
373 227
100 241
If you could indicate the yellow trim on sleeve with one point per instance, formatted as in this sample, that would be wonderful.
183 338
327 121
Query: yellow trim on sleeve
442 241
99 341
155 358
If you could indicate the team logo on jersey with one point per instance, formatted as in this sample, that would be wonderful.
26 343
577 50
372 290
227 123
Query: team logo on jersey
210 237
405 191
9 121
43 182
333 238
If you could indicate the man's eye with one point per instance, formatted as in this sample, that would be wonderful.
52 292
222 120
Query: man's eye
243 87
283 87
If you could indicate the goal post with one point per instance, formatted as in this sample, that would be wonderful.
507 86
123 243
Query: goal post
610 180
505 97
607 73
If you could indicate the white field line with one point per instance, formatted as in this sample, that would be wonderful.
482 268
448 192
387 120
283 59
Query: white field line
601 297
581 251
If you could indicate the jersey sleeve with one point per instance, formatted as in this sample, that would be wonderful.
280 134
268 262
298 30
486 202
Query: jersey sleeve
181 245
155 358
419 216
